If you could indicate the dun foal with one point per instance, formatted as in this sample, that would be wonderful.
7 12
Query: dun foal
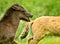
41 27
10 21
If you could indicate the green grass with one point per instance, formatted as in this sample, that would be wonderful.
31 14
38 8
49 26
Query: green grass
50 40
37 8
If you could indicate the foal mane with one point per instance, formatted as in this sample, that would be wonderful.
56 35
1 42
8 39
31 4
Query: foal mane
8 12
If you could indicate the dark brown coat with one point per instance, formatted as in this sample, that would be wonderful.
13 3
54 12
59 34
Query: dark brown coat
10 21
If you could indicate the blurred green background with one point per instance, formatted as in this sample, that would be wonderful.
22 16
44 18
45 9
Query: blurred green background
37 8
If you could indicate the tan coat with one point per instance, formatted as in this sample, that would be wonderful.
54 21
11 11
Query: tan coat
44 25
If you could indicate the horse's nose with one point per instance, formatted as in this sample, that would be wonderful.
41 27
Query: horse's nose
31 16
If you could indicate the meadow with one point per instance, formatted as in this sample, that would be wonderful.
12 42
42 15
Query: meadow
37 8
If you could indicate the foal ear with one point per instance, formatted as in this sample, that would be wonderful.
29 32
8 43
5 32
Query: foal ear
17 7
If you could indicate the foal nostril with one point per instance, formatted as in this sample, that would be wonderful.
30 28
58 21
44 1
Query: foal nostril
28 14
31 16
